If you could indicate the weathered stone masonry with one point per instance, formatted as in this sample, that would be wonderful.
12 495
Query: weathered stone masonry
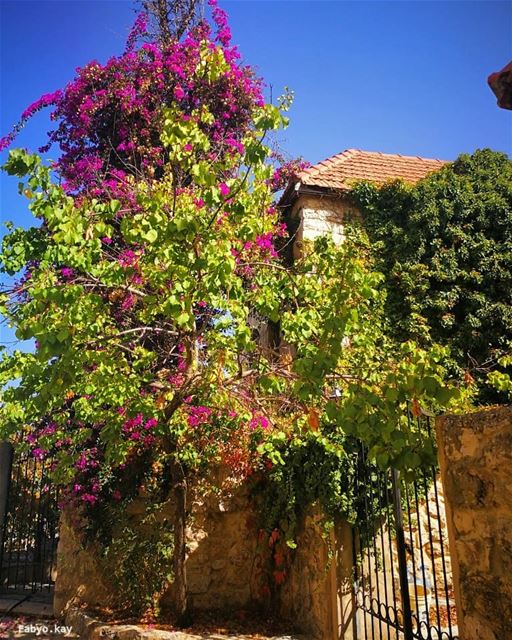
476 464
223 566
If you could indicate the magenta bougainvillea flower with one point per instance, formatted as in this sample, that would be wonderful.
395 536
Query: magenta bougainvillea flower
108 118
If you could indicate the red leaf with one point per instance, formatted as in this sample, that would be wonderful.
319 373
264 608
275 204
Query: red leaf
415 408
468 378
279 577
313 419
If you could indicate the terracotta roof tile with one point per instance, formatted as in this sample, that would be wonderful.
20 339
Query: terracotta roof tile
341 170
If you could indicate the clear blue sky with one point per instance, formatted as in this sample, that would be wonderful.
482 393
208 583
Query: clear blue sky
404 77
399 77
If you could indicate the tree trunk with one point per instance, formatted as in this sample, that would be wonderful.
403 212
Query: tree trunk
179 487
180 589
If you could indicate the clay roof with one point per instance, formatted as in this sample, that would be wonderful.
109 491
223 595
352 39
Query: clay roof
341 170
501 84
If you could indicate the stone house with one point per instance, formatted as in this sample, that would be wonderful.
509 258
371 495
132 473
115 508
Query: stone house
317 201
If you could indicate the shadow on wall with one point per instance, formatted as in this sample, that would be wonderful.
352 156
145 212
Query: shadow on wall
226 567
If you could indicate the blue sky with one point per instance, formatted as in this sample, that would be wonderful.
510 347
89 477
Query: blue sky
399 77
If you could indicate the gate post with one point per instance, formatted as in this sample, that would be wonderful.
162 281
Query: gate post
6 455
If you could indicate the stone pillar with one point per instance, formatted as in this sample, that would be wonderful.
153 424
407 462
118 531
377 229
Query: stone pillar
80 578
475 453
6 455
342 580
318 592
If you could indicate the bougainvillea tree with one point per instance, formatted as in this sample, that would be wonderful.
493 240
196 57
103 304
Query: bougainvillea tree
143 280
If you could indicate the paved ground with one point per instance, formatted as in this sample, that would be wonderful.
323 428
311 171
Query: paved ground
19 627
30 605
88 627
31 618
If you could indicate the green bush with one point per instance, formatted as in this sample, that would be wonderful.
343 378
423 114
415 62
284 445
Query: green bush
445 246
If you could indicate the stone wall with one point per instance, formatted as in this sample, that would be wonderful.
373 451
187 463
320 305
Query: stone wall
222 544
317 215
79 575
308 595
476 465
226 566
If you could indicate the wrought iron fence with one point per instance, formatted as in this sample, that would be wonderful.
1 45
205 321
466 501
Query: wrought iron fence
403 578
29 519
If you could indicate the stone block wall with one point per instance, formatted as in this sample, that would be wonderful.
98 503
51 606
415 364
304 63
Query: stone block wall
307 595
79 575
224 566
317 216
476 465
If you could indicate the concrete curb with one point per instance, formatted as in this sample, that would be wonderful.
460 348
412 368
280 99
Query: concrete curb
88 628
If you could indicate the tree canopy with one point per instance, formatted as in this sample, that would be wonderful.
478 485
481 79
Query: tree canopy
445 246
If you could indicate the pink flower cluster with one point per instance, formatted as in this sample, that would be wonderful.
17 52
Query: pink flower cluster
90 484
286 172
67 273
44 101
139 430
117 106
128 258
198 415
261 249
224 189
221 20
39 450
265 244
138 30
258 421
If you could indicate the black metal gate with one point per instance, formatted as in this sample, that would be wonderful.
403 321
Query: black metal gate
29 520
403 578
